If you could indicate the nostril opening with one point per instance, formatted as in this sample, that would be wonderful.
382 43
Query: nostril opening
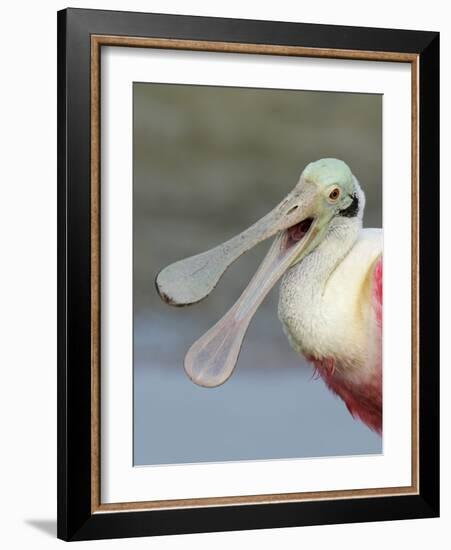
292 210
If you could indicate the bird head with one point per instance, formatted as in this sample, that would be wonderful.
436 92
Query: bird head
327 195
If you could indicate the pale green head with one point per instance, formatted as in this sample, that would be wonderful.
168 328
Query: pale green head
336 186
328 172
328 194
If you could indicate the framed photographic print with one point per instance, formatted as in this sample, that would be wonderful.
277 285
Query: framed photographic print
248 274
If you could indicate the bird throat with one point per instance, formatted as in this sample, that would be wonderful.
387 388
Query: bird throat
303 287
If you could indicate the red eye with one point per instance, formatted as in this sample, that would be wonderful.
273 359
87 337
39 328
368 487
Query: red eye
334 194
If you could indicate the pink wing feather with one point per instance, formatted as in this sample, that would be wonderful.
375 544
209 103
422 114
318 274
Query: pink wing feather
363 401
378 290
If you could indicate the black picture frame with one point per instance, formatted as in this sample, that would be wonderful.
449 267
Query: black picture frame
76 520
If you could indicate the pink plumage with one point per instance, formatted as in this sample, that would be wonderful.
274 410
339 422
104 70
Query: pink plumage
363 399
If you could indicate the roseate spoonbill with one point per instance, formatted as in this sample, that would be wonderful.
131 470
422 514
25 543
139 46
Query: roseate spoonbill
330 300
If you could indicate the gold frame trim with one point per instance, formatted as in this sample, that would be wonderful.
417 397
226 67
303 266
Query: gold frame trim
97 41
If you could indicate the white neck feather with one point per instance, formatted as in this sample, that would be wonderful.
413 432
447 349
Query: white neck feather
303 286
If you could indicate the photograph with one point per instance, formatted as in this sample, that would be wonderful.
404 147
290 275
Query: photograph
224 275
257 274
248 273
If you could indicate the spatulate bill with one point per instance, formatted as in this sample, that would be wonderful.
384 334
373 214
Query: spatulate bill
190 280
212 358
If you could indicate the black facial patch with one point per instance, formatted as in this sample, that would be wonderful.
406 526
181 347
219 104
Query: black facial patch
352 210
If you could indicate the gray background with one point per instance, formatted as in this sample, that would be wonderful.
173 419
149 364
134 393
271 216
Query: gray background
208 162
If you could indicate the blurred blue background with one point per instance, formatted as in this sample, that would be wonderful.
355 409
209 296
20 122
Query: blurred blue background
208 162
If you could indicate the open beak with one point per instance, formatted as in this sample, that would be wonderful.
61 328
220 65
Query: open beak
211 359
